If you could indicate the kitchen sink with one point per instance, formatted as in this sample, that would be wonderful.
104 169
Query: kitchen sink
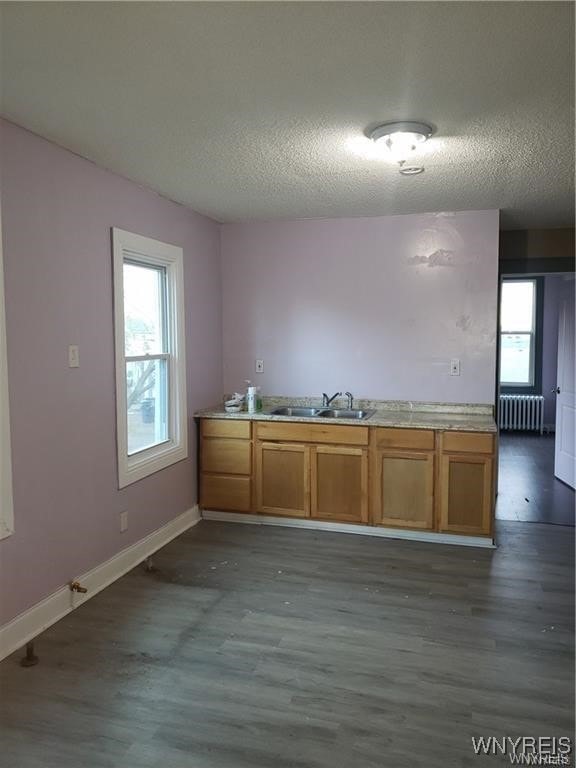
323 413
345 413
295 411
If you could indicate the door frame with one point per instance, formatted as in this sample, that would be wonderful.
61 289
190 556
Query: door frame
519 271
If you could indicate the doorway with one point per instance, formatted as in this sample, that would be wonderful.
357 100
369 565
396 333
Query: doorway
533 314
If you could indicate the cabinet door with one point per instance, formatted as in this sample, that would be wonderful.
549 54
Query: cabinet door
466 494
403 489
282 479
339 484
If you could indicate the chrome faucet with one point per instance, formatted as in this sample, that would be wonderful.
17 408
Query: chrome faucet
350 397
327 400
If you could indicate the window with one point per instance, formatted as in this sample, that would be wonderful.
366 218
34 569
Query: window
6 506
518 312
150 358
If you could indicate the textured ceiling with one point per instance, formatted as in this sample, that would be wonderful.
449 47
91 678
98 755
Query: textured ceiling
257 110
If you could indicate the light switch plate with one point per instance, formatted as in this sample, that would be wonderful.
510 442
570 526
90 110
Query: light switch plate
123 521
259 366
455 367
73 356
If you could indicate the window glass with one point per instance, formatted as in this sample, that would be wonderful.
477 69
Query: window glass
517 308
147 403
515 358
144 308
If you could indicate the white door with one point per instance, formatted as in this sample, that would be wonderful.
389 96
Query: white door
565 452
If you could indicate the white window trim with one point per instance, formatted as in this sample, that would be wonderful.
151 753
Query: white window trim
145 250
6 499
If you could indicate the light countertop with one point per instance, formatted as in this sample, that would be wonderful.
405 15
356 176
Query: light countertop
409 418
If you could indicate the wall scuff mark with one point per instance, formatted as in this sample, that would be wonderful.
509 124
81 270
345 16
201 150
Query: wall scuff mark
441 257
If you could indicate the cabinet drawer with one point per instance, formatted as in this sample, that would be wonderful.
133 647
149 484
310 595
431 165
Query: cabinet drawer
467 442
312 433
226 493
388 437
225 428
226 455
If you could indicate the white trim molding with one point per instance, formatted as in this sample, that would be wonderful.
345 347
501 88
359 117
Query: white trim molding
6 500
127 246
362 530
35 620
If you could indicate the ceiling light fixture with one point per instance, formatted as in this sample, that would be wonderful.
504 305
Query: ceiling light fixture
403 136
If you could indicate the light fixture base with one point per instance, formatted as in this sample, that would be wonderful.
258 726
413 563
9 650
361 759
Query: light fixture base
411 170
422 131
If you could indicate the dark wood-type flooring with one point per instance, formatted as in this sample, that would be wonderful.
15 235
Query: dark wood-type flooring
527 488
262 647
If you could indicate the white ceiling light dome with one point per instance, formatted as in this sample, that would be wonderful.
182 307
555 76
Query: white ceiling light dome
402 134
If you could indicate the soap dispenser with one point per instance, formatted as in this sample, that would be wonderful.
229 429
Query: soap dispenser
253 399
250 398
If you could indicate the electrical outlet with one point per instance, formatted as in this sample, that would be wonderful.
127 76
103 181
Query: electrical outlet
123 521
259 366
73 356
455 367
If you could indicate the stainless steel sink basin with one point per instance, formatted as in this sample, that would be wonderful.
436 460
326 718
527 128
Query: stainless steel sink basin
324 413
295 411
345 413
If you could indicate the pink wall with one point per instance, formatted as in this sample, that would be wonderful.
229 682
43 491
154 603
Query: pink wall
57 213
376 306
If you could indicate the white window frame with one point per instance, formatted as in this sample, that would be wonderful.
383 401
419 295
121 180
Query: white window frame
138 249
6 498
531 333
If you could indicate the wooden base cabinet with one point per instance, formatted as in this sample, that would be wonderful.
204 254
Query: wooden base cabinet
283 479
339 483
225 465
402 478
422 479
467 483
312 470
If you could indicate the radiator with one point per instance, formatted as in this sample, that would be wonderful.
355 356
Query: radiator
521 412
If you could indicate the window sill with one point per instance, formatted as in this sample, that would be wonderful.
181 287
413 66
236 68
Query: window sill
135 469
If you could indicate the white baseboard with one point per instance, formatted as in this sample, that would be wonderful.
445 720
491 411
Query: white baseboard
35 620
362 530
